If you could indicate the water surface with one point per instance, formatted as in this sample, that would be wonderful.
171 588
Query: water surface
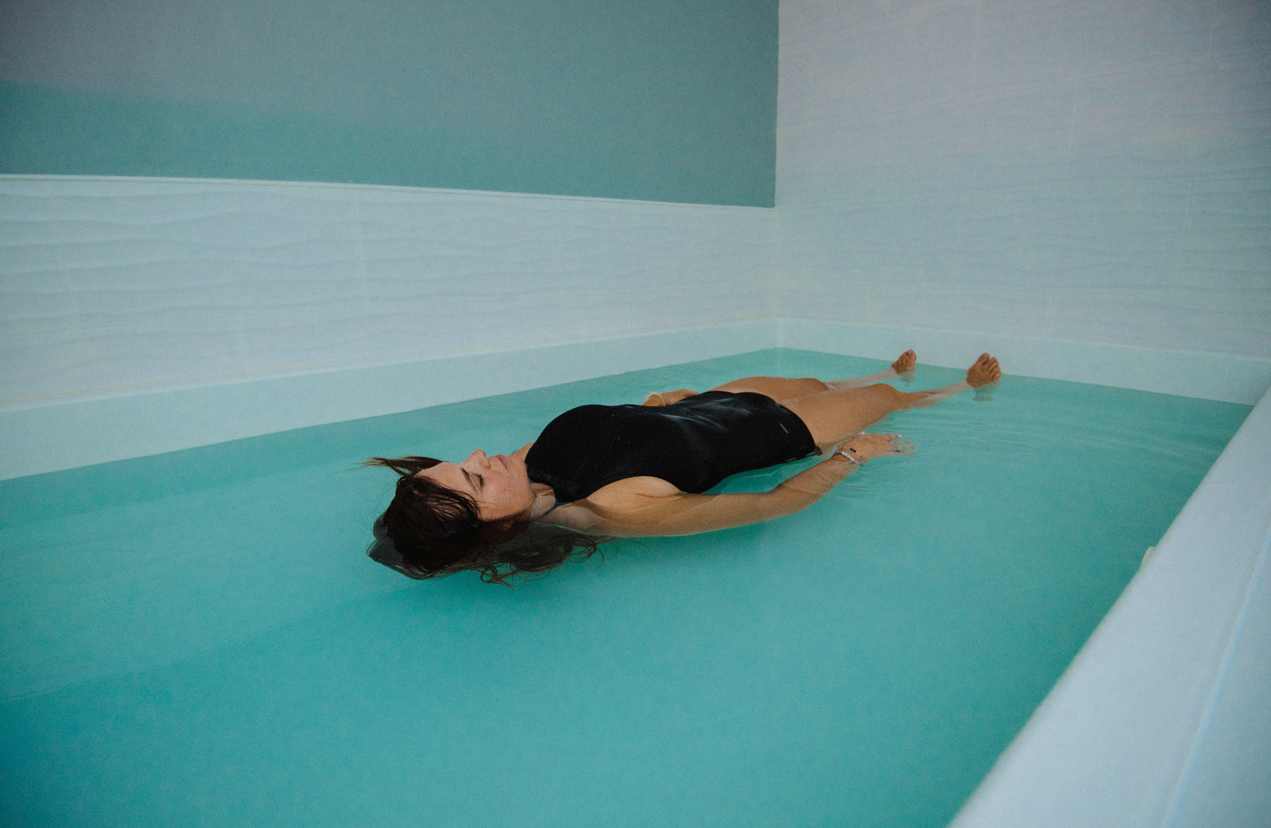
197 639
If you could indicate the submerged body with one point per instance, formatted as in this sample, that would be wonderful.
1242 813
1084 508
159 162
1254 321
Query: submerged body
609 471
693 444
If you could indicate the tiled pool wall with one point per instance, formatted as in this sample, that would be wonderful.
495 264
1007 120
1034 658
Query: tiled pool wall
1083 189
147 315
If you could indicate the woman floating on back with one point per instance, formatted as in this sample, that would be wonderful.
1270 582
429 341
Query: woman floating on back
598 472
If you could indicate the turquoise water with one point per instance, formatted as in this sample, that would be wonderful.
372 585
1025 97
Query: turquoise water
197 639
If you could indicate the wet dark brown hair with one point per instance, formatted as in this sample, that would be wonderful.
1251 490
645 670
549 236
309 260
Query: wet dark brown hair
430 530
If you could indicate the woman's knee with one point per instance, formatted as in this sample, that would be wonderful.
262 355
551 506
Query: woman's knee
888 392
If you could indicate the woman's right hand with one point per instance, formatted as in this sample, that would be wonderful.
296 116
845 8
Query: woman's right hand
866 447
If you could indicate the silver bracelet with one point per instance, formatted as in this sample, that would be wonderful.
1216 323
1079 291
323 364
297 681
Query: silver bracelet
842 453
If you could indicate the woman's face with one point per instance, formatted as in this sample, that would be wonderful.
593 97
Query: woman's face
500 485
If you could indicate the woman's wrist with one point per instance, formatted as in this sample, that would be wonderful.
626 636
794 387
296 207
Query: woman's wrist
850 455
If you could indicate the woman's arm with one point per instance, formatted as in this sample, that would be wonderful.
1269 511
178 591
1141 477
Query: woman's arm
657 400
647 506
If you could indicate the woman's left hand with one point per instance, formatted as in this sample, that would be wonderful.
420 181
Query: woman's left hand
866 447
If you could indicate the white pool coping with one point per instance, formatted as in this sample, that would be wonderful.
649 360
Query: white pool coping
1164 717
41 435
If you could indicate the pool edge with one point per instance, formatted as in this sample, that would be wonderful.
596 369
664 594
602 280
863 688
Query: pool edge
1117 740
117 424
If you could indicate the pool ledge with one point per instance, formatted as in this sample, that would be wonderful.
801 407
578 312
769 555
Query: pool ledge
1164 717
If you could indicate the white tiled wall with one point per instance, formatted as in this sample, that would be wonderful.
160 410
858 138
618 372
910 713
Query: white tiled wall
1079 170
215 301
111 286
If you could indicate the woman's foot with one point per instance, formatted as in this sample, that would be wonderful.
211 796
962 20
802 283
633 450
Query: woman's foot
903 368
984 376
985 371
905 364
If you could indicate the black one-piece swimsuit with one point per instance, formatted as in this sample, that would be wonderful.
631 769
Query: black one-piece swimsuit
693 444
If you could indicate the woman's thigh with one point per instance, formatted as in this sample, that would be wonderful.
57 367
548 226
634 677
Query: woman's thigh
834 416
779 388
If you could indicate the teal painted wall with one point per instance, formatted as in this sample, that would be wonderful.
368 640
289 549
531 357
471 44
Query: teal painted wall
663 100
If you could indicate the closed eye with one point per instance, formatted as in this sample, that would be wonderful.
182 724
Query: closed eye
480 482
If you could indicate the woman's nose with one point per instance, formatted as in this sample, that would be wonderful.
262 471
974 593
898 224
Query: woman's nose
478 456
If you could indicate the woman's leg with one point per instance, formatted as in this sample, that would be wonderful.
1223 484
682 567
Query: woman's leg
783 388
835 414
902 368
